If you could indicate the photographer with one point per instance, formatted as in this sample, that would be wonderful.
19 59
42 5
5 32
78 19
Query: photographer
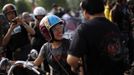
16 41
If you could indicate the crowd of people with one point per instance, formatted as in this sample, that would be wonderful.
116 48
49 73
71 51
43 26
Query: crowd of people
98 39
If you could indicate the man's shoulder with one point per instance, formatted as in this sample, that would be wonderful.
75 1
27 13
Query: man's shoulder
84 25
66 41
95 21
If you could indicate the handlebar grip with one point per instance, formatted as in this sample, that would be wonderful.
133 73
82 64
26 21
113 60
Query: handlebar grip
36 71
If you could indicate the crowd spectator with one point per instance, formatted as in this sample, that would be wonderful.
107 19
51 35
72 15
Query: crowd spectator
16 41
38 40
96 44
55 50
121 17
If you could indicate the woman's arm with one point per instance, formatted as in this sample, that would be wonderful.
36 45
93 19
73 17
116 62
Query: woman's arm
38 61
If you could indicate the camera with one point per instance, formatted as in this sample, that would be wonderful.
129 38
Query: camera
14 21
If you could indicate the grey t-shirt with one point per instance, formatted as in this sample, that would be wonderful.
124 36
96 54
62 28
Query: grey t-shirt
56 57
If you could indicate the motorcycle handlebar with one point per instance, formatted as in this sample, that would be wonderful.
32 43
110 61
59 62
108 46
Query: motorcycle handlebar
4 64
24 64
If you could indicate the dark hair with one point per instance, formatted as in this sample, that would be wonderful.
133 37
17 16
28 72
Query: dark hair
93 6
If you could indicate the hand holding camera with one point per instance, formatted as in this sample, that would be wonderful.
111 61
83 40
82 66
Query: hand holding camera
17 20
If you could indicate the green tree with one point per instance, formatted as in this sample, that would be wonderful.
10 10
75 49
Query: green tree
73 4
3 2
47 4
23 6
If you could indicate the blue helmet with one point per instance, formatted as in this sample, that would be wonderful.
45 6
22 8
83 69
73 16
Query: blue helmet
47 23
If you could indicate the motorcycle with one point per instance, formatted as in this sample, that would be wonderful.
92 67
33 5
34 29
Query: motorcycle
7 66
130 71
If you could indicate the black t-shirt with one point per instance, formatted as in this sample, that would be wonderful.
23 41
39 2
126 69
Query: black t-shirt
19 38
91 42
19 44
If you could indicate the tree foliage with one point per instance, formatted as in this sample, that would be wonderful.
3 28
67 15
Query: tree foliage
3 2
48 3
73 4
23 6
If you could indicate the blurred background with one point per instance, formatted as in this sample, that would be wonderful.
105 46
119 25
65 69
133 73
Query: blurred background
29 5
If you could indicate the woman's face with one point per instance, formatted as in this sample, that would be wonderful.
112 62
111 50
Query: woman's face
10 15
58 31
